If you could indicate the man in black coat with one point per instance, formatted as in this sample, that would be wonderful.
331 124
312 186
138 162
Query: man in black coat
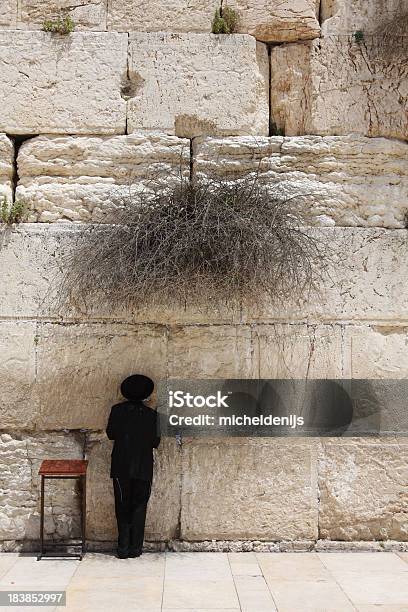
134 428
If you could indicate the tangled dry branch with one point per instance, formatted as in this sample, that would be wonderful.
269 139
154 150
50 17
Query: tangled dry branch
203 241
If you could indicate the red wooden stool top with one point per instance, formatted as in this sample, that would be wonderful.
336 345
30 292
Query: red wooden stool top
63 467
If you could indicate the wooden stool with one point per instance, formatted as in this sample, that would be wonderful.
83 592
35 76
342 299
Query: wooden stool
63 468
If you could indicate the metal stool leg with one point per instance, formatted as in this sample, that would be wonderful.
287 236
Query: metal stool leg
41 520
83 482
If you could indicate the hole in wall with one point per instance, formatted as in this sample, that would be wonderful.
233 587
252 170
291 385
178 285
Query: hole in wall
17 140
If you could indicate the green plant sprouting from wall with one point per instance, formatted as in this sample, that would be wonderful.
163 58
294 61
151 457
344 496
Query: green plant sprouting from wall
210 240
62 25
275 130
225 20
12 213
358 36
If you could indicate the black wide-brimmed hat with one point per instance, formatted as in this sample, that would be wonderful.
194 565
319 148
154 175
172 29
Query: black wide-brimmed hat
137 387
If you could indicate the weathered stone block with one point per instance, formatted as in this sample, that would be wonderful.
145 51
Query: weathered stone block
28 267
20 459
164 505
362 281
363 489
349 16
340 351
19 403
299 351
235 488
364 284
211 352
346 180
8 13
378 351
87 15
268 21
338 86
32 269
194 84
143 16
44 91
80 368
6 167
82 178
276 21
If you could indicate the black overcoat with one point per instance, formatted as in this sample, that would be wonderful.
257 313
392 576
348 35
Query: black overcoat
135 431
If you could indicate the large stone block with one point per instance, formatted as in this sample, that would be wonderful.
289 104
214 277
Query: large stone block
20 459
378 354
378 351
6 167
164 505
82 178
337 86
86 15
363 489
28 268
268 21
32 269
299 351
375 16
43 89
345 180
241 489
276 21
19 403
364 282
80 368
8 13
194 84
211 352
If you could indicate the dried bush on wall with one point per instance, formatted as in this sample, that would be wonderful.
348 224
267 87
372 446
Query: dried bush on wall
203 241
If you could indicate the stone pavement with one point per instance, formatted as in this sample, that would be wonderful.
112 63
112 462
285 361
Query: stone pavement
227 582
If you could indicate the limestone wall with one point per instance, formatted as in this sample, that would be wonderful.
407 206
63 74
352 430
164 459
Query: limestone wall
139 89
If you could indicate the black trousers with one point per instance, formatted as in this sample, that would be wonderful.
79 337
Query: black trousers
131 498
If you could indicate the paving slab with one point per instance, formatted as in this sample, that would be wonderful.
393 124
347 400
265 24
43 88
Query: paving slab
380 589
99 566
193 593
141 593
198 566
292 567
386 608
254 595
244 564
7 560
363 564
309 596
28 573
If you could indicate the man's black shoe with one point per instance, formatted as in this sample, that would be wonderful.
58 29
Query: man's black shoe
122 555
134 554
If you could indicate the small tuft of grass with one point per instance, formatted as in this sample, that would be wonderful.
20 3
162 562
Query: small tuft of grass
62 25
225 21
13 213
358 36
